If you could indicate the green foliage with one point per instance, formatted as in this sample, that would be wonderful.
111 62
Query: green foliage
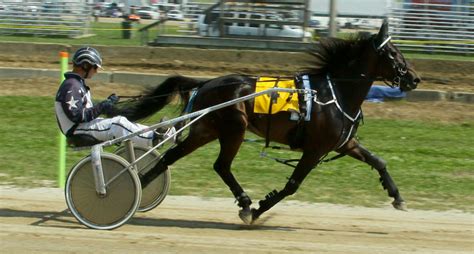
431 163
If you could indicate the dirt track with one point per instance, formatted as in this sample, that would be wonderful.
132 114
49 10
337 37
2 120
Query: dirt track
34 221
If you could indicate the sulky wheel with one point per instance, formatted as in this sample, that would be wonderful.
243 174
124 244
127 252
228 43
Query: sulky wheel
122 196
157 190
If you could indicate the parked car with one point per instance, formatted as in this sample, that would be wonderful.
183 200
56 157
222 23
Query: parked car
50 7
361 23
314 23
102 6
148 12
111 10
175 15
112 13
207 26
31 8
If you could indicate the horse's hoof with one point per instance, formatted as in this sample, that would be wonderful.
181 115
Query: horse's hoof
255 215
400 205
246 216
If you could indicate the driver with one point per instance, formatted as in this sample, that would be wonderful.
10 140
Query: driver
78 118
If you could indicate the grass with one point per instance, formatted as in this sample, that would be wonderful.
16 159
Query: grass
104 34
111 34
431 162
441 57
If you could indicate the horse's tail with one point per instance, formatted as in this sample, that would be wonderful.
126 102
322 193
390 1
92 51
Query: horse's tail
156 98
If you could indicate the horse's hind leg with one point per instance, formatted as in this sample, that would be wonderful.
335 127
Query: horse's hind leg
307 162
357 151
230 139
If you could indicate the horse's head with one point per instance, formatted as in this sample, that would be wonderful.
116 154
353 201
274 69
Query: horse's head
391 64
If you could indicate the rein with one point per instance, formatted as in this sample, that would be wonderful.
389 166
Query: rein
130 98
143 97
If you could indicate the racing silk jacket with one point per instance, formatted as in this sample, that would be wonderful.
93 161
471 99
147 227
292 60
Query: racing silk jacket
74 104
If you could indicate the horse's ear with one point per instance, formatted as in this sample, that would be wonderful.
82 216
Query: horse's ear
383 32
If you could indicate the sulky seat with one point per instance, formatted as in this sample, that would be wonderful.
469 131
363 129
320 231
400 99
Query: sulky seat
81 140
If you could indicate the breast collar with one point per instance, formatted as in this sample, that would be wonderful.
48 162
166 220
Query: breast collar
333 100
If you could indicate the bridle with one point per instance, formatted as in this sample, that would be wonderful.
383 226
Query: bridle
400 69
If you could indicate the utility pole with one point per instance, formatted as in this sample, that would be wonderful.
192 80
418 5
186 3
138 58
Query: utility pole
126 8
332 18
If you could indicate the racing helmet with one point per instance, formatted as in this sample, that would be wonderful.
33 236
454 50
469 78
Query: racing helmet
87 55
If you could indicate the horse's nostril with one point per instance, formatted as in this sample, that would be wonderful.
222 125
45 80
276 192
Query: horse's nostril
416 80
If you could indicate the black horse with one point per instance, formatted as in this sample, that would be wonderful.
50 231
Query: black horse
343 73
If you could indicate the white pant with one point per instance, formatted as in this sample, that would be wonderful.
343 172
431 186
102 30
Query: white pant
104 129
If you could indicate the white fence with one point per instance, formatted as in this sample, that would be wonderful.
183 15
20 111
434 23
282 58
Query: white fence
58 18
433 28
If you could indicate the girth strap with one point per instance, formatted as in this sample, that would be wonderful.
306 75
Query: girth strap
273 98
305 100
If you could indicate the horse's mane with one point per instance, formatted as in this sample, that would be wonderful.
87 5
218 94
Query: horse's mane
332 54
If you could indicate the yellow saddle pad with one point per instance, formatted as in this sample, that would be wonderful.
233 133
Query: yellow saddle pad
285 101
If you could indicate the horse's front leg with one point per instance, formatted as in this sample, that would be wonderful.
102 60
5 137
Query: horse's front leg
357 151
305 165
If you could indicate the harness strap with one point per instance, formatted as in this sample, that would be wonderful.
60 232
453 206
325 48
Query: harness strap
383 43
305 99
353 120
334 100
287 162
335 157
308 98
189 106
290 162
273 97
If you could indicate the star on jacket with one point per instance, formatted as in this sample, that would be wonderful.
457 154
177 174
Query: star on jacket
72 103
